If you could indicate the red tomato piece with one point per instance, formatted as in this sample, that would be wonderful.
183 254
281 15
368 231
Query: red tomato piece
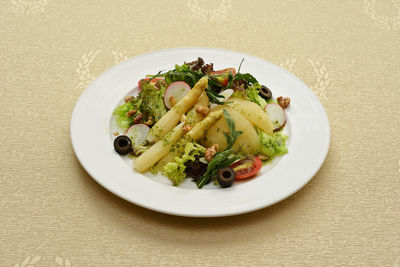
223 75
247 167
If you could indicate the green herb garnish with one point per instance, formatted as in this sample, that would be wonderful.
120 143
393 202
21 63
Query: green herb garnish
223 158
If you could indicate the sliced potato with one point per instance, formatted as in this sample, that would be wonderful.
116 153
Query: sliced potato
247 143
172 117
253 113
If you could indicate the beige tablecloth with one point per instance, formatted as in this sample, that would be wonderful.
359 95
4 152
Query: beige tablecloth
54 214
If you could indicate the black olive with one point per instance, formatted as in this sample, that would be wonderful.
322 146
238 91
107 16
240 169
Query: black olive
226 176
265 92
123 144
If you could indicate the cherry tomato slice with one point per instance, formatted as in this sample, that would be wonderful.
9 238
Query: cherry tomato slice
224 71
146 79
223 79
247 167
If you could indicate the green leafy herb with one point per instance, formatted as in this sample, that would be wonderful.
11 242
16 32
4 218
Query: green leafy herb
175 170
212 88
274 145
230 80
233 134
223 158
240 65
148 104
154 76
246 77
183 73
252 94
151 101
121 111
213 96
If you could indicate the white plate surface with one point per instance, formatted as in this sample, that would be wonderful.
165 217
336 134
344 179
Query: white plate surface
92 126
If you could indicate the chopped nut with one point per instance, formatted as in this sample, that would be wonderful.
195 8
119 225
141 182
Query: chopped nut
184 118
130 113
283 101
116 133
172 100
210 152
202 110
186 128
128 98
138 118
158 84
150 121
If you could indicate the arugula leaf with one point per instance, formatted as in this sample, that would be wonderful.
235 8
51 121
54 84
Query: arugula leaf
230 80
213 96
223 158
183 73
233 134
240 65
246 77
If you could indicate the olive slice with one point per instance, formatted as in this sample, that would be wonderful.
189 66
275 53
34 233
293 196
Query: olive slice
265 92
226 176
123 145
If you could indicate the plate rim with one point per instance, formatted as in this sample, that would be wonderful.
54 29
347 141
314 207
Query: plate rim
195 214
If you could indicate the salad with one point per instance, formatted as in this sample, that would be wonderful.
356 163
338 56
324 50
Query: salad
209 125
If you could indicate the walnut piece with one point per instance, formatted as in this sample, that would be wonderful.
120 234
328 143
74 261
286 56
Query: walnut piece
116 133
130 113
202 110
150 121
187 127
210 152
283 101
138 118
172 100
128 98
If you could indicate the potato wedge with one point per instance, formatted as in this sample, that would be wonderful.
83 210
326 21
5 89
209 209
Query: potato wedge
247 143
172 117
158 150
253 113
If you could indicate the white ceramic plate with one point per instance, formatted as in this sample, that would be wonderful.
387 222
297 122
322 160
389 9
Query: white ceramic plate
92 126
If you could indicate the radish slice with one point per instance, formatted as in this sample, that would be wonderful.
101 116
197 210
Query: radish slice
227 93
138 133
177 90
276 115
